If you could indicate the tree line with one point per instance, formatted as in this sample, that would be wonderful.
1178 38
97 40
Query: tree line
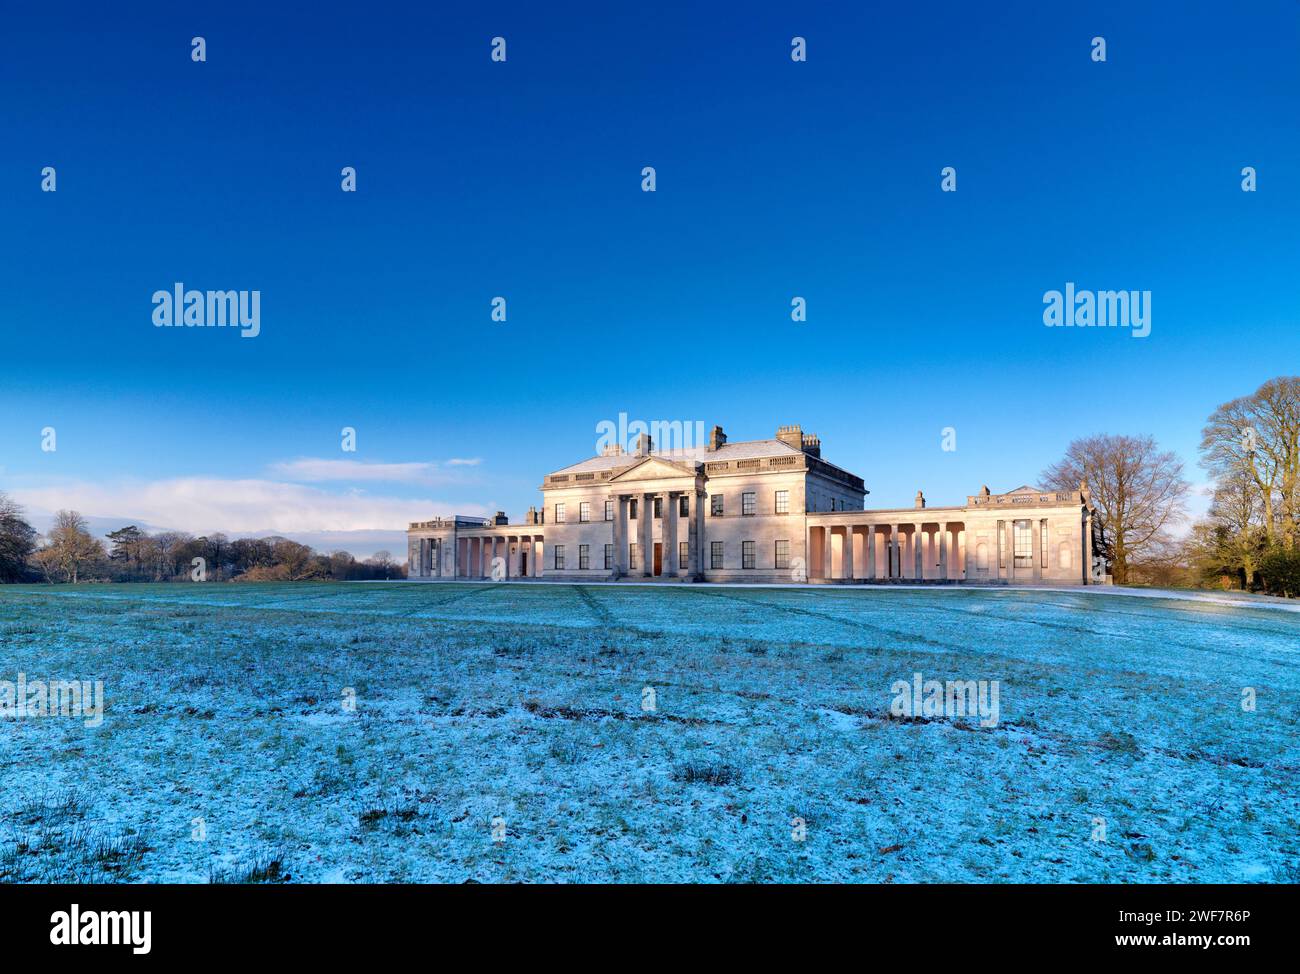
70 553
1249 538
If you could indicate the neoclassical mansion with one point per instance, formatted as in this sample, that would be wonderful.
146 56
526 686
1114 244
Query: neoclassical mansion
758 511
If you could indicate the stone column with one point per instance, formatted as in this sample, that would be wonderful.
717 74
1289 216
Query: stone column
620 535
646 529
1036 551
670 534
701 543
869 544
828 553
943 551
848 552
1087 549
1011 550
918 549
891 544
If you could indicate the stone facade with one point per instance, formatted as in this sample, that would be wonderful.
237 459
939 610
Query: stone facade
759 511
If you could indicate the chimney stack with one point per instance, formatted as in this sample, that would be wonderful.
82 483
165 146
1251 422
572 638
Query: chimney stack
920 500
644 445
716 438
791 435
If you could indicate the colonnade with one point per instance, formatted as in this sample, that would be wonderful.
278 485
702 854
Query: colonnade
881 552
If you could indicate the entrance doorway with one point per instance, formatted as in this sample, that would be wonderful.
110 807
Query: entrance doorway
523 561
659 558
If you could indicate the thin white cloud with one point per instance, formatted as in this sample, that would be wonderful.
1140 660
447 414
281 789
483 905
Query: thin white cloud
320 470
203 504
464 461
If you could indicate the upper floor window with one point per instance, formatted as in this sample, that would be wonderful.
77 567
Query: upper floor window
715 505
683 506
783 502
659 507
748 504
609 510
631 509
559 513
584 511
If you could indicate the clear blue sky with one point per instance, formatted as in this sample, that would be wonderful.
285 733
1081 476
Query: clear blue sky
522 179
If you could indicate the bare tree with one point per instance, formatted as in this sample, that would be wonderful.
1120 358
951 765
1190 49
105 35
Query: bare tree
17 540
1138 491
72 547
1259 435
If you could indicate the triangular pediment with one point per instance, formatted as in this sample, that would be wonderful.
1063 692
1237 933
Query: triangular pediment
655 468
1026 489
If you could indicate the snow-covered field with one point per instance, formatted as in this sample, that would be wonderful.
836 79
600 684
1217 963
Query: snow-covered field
499 734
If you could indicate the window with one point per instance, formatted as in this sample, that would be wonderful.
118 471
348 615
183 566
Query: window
634 555
659 507
584 511
1002 545
683 506
609 510
683 554
715 554
1024 544
747 554
609 556
1042 542
584 556
631 509
559 556
783 502
783 554
559 513
747 504
715 505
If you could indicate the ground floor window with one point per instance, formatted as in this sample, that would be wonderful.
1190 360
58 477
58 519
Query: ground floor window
715 554
1043 542
584 556
609 556
559 556
1024 545
747 554
683 554
783 554
634 555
